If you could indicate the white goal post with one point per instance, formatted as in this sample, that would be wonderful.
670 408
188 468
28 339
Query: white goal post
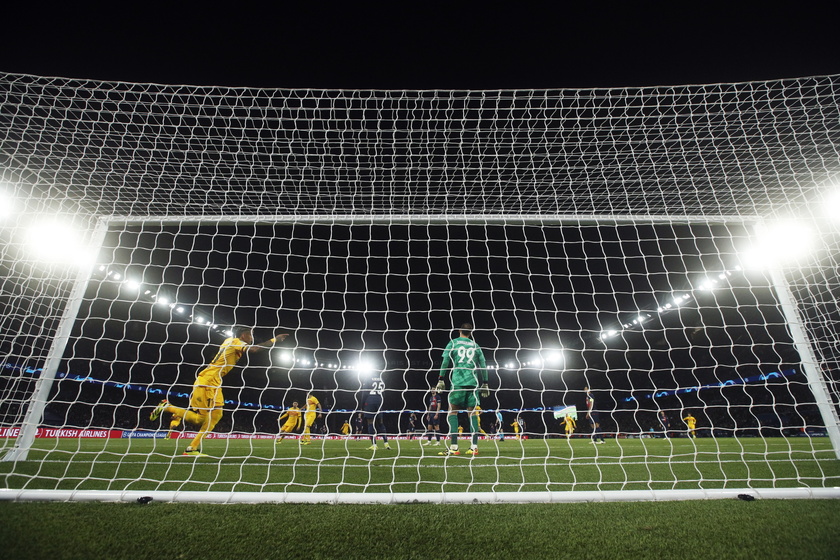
660 255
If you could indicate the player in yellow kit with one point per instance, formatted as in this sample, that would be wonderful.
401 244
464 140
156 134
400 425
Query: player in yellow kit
569 424
477 414
206 399
691 422
515 425
345 429
313 410
292 423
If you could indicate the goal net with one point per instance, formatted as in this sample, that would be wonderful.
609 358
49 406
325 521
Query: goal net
651 275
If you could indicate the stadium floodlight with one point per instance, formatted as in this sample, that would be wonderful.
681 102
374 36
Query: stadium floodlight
708 285
365 366
553 357
132 285
286 357
163 301
777 243
58 241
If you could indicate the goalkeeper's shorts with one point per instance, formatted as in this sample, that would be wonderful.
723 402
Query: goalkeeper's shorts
462 398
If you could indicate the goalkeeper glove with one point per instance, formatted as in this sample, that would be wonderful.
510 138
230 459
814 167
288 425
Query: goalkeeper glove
484 391
441 386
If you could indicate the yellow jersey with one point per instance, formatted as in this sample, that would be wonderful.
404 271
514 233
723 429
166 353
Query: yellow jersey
293 415
690 421
345 429
312 405
229 353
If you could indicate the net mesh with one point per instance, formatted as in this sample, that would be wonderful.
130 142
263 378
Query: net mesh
593 236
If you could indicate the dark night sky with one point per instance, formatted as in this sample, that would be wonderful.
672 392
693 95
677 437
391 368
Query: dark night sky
425 45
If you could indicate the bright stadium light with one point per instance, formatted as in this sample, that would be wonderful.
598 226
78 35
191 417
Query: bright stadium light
58 241
286 357
778 242
553 357
163 301
708 285
365 367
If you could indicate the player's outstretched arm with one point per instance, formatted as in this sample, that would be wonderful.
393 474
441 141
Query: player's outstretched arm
262 346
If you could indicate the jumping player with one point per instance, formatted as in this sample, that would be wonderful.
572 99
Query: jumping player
206 399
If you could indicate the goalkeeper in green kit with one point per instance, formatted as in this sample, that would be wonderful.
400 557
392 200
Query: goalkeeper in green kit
469 381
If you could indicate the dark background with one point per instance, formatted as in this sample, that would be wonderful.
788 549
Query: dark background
423 45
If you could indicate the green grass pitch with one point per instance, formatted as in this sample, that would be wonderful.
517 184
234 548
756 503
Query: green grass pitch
720 529
256 465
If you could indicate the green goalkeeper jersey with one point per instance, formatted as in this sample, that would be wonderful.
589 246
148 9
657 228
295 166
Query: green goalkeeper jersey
469 369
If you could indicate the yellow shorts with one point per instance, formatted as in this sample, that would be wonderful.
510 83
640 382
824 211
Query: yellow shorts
309 417
288 427
204 398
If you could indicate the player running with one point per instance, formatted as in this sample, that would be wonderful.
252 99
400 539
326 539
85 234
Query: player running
206 399
469 370
292 421
691 422
569 425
